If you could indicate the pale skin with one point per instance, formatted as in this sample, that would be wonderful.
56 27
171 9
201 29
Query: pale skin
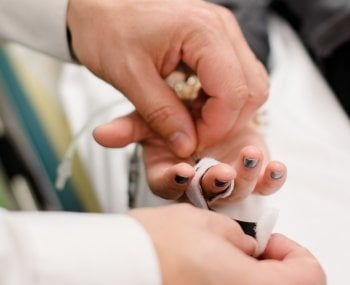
202 247
120 40
234 81
163 166
243 153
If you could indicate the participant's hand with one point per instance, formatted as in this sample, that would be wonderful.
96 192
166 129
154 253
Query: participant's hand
243 154
201 247
135 44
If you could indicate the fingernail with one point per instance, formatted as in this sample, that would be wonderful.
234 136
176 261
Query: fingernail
276 175
250 162
181 144
181 179
219 183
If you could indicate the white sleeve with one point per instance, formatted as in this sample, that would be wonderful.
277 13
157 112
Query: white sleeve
71 248
38 24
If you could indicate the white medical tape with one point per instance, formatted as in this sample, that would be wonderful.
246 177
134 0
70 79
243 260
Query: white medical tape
195 191
251 210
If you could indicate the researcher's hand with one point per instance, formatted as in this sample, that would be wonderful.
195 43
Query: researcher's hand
135 44
201 247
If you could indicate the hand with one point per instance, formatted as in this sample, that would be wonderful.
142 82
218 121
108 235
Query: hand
201 247
135 44
243 154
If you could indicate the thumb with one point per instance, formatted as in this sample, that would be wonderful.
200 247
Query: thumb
159 107
296 262
122 131
282 248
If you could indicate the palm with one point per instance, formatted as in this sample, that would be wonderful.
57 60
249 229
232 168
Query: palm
162 165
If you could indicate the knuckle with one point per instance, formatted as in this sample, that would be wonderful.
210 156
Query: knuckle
161 114
259 91
203 15
211 15
226 13
240 96
259 95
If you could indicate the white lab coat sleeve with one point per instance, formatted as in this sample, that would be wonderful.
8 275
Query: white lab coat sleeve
72 248
38 24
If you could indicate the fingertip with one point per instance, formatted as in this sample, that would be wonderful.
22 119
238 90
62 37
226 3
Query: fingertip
273 178
278 172
102 134
182 173
216 180
279 247
250 161
182 144
172 182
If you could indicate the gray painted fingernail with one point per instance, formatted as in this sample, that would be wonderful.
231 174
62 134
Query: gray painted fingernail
219 183
181 179
276 175
250 162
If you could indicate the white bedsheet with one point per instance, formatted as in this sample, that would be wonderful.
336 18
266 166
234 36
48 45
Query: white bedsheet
308 130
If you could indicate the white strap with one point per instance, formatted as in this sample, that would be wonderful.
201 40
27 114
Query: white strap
195 191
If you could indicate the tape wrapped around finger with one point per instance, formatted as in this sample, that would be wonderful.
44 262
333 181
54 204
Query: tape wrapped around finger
252 214
195 191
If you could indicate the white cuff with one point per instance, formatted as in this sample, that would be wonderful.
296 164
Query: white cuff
72 248
38 24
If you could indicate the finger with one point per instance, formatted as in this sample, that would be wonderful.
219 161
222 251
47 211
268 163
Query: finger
217 179
273 178
157 104
221 76
167 177
255 74
258 94
170 182
122 131
248 167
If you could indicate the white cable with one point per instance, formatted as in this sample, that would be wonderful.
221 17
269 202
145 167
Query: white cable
64 169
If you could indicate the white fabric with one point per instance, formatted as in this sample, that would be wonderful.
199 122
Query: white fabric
85 98
308 130
253 209
72 249
39 24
